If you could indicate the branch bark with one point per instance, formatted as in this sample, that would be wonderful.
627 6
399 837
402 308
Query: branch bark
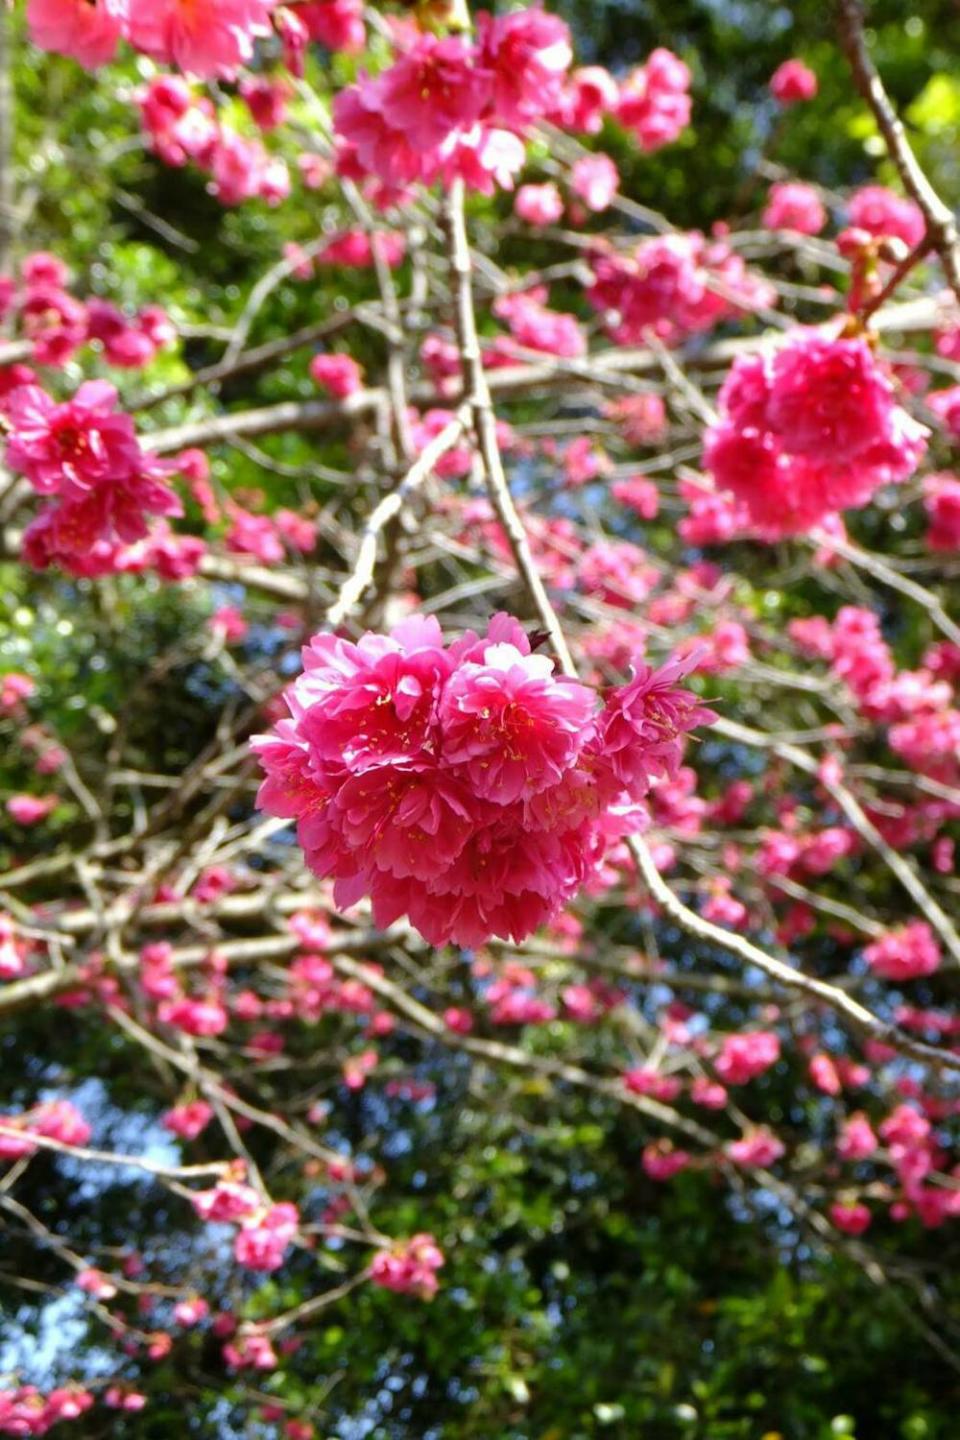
941 225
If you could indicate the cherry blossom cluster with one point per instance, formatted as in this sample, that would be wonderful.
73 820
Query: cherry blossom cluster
84 454
456 108
451 108
594 181
184 128
53 1120
905 953
674 285
409 1267
466 787
207 38
57 323
809 430
265 1231
919 705
26 1411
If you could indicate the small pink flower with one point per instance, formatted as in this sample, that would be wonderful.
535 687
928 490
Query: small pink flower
792 82
228 1201
526 54
654 100
188 1121
338 374
595 179
409 1267
759 1148
538 205
661 1162
513 726
850 1218
338 24
229 622
263 1241
14 690
907 953
96 1284
856 1140
882 212
791 205
744 1057
194 1017
31 809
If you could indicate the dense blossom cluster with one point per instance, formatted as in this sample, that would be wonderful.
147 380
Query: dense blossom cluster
467 786
450 108
906 953
455 108
809 430
673 285
85 455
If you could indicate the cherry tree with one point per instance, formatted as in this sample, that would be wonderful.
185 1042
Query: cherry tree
570 706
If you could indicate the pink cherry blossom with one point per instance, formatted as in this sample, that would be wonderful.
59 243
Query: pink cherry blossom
339 374
228 1201
190 1312
87 32
595 179
904 954
262 1242
194 1017
409 1267
208 38
538 205
856 1140
744 1057
14 690
466 787
642 726
757 1149
188 1121
671 283
654 100
589 94
338 24
941 501
813 429
791 205
661 1162
850 1218
526 53
880 211
72 448
512 725
30 809
793 81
